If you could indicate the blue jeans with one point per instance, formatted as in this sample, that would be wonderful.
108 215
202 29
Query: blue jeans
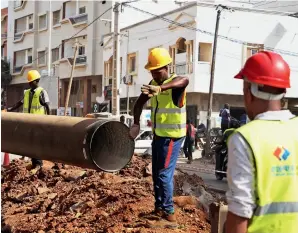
165 152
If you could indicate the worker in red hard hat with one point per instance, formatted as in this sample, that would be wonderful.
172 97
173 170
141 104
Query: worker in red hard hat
263 154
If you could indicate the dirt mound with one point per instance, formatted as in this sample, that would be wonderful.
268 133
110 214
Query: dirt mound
77 200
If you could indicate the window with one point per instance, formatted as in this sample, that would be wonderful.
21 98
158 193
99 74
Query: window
29 56
42 22
55 54
181 46
108 68
56 17
205 52
252 50
81 50
94 88
82 10
131 58
41 58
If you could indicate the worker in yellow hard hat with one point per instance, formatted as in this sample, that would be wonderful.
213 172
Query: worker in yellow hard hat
35 101
168 116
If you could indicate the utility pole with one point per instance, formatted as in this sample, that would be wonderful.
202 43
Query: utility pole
116 62
50 40
76 46
219 9
127 83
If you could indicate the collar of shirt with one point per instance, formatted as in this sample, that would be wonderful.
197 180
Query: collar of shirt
275 115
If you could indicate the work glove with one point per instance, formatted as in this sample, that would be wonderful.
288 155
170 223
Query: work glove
134 131
150 90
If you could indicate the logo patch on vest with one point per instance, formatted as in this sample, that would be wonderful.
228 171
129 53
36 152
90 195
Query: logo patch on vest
281 153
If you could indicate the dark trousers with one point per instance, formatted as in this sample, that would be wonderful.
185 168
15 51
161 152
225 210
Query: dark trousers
187 148
36 162
165 152
224 127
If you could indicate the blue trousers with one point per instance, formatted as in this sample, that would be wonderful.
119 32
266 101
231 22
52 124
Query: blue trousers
165 152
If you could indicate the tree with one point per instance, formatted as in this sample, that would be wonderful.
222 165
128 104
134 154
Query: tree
5 81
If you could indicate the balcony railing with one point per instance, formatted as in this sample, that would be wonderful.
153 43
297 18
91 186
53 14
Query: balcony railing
3 35
17 69
18 4
79 18
181 68
18 35
82 59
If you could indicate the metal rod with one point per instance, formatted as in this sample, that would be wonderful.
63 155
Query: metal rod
84 142
127 84
71 77
116 62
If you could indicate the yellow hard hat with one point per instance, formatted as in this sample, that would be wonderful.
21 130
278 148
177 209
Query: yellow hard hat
158 57
33 75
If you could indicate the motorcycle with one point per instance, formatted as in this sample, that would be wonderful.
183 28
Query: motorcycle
221 151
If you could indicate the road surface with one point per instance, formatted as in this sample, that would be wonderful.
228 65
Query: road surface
205 171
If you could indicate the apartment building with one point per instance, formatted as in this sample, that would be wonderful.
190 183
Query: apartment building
187 33
38 29
4 16
40 33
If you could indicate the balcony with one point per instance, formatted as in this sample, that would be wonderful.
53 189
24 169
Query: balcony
79 19
183 68
18 69
82 59
19 5
18 36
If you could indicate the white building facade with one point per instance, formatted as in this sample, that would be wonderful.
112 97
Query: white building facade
37 28
188 35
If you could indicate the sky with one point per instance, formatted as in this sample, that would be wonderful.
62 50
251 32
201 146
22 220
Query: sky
4 3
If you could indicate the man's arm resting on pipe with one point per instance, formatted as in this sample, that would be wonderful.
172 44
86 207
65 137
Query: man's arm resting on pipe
178 82
16 106
236 224
138 108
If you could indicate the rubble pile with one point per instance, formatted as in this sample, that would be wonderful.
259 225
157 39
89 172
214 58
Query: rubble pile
75 200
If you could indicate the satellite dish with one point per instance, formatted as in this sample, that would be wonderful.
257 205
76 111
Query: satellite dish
100 99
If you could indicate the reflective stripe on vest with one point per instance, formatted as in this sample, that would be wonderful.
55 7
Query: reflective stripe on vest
36 107
274 145
169 110
277 208
167 119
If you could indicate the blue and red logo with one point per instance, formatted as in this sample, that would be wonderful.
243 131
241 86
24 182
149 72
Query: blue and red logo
281 153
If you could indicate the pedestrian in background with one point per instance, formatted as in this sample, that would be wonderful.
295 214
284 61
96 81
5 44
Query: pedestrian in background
168 117
189 141
225 117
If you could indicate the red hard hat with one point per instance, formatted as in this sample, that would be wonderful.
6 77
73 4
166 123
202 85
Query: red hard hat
266 68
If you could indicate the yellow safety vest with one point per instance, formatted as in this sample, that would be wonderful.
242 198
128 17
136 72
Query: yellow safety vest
36 107
275 149
167 119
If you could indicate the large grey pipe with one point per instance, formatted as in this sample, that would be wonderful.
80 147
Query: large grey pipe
89 143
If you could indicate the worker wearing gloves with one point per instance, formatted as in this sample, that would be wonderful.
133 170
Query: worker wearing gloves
263 154
35 101
168 117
